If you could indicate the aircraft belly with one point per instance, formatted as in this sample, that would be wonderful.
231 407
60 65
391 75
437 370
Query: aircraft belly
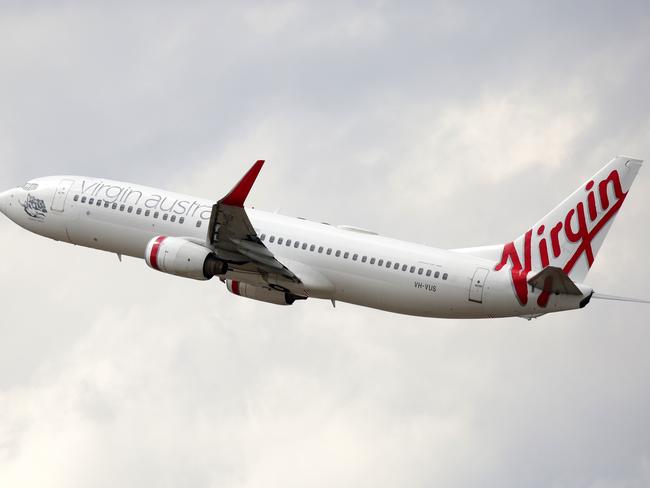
54 227
109 236
391 296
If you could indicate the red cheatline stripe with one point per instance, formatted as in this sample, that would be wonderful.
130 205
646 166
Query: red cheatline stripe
235 287
153 257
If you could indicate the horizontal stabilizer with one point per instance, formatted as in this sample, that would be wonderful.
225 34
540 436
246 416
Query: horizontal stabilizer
553 280
601 296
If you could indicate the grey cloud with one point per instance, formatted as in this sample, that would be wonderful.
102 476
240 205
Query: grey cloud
447 123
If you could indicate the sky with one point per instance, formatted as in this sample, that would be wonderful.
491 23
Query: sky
447 123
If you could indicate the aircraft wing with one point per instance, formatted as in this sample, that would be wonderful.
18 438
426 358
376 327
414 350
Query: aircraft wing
234 240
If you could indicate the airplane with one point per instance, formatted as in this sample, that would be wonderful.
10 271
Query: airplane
280 259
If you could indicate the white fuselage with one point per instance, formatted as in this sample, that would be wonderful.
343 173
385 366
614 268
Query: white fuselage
334 263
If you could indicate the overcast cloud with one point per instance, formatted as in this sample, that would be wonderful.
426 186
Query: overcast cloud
448 123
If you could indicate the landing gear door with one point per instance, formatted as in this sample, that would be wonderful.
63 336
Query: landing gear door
61 193
476 287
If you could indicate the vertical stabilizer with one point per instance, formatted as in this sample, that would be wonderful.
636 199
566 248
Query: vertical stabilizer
570 235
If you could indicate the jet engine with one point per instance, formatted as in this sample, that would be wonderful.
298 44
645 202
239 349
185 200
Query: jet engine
180 257
263 294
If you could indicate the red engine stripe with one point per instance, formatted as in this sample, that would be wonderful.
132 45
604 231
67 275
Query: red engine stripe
153 257
235 287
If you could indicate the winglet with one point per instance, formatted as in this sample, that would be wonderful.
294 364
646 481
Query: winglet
238 194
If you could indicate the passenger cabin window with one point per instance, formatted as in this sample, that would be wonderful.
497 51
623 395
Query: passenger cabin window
338 253
262 237
83 199
404 267
320 250
372 260
76 198
396 267
412 270
428 272
122 207
380 262
114 206
165 216
345 256
156 214
138 211
296 244
364 259
354 257
181 220
288 243
91 201
444 276
147 213
420 271
280 240
173 218
271 239
107 204
130 209
329 251
99 203
304 246
312 247
436 274
198 223
388 264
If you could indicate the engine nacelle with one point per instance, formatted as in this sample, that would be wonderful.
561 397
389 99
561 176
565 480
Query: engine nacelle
260 293
180 257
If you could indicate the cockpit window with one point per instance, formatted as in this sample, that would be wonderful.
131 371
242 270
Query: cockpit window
30 186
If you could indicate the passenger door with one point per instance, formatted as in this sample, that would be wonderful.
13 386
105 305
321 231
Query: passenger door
60 195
